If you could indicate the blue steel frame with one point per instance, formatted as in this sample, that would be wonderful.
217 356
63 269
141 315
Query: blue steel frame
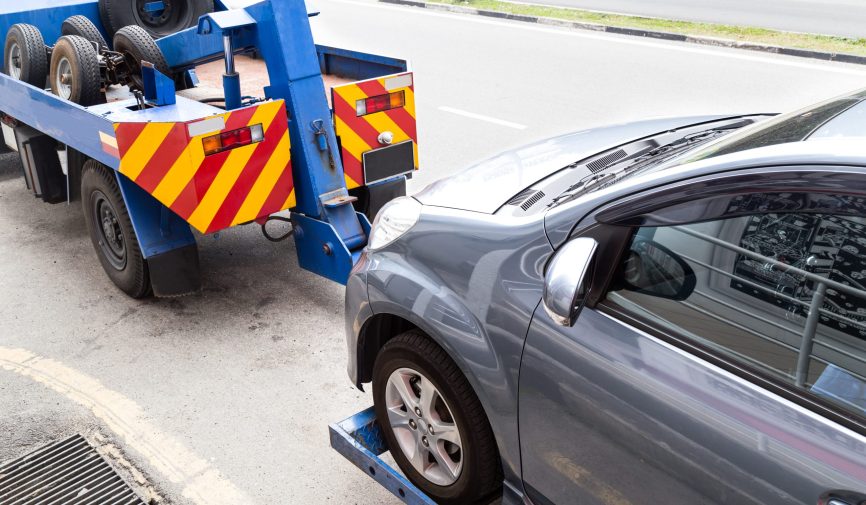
359 439
330 234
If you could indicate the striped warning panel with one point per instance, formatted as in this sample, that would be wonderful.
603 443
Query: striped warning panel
217 191
359 132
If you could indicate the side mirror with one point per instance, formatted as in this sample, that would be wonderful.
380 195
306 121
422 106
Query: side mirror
565 283
653 269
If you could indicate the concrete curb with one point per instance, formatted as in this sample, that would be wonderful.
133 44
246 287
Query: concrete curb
692 39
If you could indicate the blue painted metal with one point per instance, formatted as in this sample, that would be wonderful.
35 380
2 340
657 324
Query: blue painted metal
47 15
357 65
158 229
154 7
359 439
232 90
159 89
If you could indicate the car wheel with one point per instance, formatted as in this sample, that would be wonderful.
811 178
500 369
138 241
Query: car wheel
75 71
172 17
111 230
25 57
433 422
136 46
83 27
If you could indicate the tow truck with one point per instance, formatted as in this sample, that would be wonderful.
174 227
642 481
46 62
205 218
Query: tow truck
126 127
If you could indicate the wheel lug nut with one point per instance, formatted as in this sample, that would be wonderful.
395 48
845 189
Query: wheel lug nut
425 442
417 412
412 424
430 429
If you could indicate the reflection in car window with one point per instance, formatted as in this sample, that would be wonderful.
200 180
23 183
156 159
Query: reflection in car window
850 124
793 127
744 286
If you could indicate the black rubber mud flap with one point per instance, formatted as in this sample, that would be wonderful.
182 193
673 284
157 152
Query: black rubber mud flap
371 199
175 273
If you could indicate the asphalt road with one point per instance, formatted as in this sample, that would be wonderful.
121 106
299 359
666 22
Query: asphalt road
830 17
225 397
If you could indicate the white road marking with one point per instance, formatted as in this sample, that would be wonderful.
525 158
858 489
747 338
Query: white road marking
201 483
737 54
480 117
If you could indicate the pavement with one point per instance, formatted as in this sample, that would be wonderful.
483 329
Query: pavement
225 397
829 17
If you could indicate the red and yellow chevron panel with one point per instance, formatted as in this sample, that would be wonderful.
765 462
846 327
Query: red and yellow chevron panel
360 134
220 190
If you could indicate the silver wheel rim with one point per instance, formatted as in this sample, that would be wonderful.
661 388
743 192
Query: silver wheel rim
15 61
424 427
63 79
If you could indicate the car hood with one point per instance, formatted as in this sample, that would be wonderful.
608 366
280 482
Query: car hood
486 186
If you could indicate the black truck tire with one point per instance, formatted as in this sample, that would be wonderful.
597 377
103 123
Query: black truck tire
111 230
481 475
75 72
83 27
176 16
137 46
25 56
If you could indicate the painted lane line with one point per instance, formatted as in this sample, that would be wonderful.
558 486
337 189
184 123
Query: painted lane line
736 54
480 117
200 482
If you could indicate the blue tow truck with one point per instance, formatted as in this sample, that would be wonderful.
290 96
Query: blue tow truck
116 119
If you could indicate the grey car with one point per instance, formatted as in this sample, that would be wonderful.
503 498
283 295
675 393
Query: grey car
664 312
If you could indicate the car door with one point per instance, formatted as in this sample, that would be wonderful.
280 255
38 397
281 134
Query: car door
720 357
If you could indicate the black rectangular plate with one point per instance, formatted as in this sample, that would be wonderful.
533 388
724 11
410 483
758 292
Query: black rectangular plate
390 161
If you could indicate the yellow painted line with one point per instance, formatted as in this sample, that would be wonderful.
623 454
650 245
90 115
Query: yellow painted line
410 101
290 201
181 173
228 175
350 140
199 481
381 122
265 183
350 183
143 149
108 139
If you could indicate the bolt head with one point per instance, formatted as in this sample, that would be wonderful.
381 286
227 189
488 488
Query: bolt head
425 442
412 424
417 412
431 430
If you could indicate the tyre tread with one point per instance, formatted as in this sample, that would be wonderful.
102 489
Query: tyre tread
83 27
36 53
87 60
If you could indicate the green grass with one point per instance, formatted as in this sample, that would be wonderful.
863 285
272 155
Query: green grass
826 43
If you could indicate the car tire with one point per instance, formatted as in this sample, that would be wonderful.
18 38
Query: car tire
468 471
75 72
25 56
83 27
136 46
178 15
111 230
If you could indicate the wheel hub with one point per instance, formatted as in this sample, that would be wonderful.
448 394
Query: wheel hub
424 426
63 83
15 61
112 242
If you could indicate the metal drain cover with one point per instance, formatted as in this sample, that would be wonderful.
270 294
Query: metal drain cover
68 471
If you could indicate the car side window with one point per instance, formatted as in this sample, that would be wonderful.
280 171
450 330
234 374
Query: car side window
784 292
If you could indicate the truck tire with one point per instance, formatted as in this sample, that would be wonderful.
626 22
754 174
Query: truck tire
137 46
75 72
111 230
25 56
176 16
465 467
83 27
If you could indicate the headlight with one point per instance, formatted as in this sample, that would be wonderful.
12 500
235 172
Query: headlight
396 218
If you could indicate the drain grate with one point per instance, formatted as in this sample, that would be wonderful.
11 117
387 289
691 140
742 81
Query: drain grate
69 471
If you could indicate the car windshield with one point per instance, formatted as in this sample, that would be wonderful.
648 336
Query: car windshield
838 117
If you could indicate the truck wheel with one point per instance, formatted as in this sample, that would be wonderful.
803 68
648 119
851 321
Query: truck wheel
83 27
137 46
174 16
111 230
433 422
75 72
25 56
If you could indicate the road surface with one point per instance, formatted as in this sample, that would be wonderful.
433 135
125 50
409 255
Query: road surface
831 17
225 397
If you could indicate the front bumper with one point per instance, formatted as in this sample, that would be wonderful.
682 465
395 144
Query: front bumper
357 313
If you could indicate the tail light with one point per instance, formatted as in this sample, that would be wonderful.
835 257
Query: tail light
227 141
380 103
